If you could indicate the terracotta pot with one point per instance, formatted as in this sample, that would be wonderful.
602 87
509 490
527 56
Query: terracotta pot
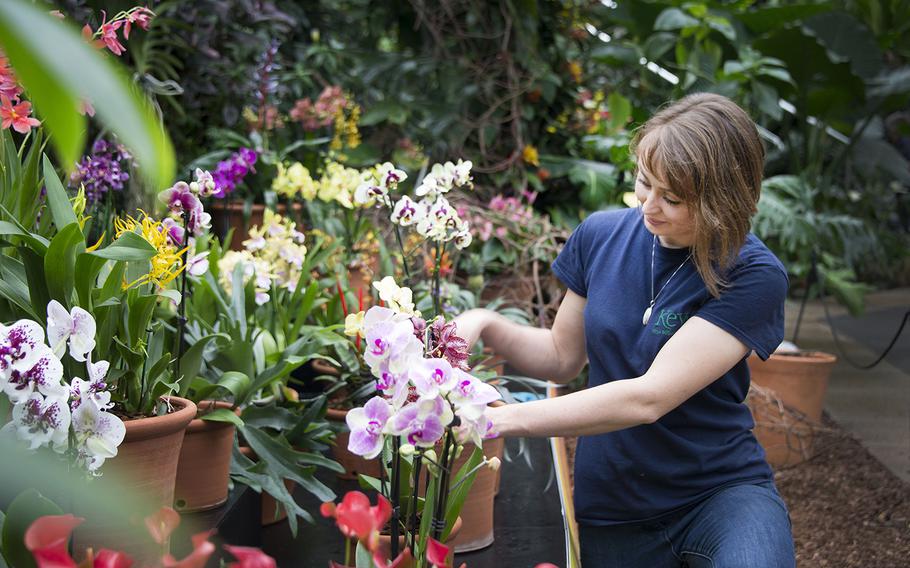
205 462
147 462
477 512
272 511
385 543
798 382
227 215
352 463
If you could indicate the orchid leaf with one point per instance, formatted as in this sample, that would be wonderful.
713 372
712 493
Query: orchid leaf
87 269
57 200
140 313
461 483
223 415
363 557
60 263
37 242
191 361
129 246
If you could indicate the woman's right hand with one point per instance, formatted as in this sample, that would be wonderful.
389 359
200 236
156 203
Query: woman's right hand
470 325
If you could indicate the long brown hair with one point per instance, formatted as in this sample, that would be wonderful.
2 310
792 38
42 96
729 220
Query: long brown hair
707 149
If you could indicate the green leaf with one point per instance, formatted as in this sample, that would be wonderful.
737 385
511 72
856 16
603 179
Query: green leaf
363 557
87 269
60 263
191 361
57 200
847 39
461 484
620 110
57 68
129 247
674 19
223 415
141 309
22 512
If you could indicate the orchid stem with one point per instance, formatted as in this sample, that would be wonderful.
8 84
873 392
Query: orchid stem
181 308
412 525
444 485
404 257
394 494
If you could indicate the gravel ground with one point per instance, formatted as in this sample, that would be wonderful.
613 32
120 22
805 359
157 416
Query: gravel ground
847 509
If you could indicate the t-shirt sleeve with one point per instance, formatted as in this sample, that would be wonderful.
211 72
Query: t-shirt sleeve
752 307
569 265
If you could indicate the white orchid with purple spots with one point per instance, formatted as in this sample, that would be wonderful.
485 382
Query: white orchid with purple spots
422 423
48 412
77 327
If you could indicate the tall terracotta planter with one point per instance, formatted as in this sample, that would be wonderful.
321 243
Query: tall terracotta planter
147 463
205 462
353 464
798 382
477 512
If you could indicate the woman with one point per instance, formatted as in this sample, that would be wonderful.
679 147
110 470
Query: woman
665 302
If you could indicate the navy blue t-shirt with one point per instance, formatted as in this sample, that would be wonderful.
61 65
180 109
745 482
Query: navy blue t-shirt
646 471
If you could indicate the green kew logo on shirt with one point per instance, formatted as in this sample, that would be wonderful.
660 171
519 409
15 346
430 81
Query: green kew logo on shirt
668 321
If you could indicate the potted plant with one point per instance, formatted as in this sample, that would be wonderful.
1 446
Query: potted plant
259 346
811 243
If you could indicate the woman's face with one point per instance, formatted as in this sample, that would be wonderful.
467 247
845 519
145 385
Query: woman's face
665 214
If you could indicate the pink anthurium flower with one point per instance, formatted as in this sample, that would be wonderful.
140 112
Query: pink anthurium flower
436 553
249 557
367 424
355 517
111 559
47 537
202 549
162 523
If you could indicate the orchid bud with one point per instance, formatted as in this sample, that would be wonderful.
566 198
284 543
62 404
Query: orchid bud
429 457
194 187
407 450
494 463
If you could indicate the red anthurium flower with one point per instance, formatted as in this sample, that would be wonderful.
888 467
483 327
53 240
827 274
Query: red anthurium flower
436 553
356 518
404 560
47 537
250 557
162 523
202 549
112 559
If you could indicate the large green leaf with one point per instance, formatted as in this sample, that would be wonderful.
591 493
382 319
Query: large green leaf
191 361
57 68
57 200
130 246
60 263
22 512
847 39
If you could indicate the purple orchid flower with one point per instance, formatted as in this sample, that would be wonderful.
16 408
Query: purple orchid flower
432 377
471 395
16 344
41 371
392 342
423 422
366 425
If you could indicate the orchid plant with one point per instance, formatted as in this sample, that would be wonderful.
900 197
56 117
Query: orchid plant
426 409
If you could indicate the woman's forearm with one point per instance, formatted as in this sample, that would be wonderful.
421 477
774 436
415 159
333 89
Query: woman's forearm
532 351
605 408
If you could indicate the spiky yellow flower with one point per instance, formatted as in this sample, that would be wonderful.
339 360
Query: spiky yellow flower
167 263
530 156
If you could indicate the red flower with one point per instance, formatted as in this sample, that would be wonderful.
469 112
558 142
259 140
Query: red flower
436 553
140 16
404 560
162 523
202 549
356 518
109 36
17 115
47 538
112 559
249 557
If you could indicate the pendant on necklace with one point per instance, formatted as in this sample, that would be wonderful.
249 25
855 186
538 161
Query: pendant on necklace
647 315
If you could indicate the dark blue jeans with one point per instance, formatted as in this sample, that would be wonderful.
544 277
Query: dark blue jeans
744 526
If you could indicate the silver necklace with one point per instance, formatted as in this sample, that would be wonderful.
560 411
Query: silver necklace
647 314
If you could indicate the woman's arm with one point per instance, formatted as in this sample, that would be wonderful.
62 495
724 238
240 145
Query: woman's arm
556 354
693 358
